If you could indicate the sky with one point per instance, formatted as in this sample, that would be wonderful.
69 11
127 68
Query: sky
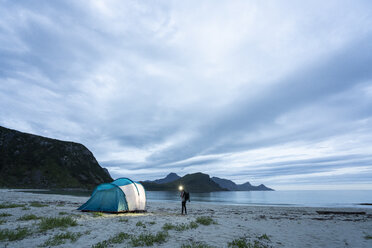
272 92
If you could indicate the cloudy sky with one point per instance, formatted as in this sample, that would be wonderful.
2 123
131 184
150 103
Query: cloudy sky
273 92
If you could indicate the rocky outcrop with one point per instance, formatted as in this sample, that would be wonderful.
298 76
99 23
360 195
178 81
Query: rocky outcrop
31 161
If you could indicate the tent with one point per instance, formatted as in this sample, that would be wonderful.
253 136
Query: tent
122 195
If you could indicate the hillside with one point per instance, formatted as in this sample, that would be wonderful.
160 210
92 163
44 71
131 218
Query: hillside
31 161
169 178
197 182
230 185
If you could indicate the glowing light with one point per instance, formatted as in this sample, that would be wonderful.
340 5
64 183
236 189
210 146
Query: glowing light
180 188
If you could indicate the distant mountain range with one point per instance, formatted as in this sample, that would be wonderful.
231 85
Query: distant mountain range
169 178
31 161
230 185
199 182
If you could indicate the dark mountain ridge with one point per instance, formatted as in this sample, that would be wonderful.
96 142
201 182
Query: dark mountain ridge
199 182
32 161
230 185
169 178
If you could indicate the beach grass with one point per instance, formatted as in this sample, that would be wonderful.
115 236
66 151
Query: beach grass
61 238
168 226
5 215
148 239
140 223
26 208
264 237
37 204
56 222
144 239
27 217
11 205
205 220
123 220
196 245
62 213
152 222
368 237
180 227
239 243
97 214
12 235
117 239
244 243
193 225
2 222
102 244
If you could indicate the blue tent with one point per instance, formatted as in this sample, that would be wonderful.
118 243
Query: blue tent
122 195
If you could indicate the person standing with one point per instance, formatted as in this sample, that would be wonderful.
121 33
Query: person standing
183 199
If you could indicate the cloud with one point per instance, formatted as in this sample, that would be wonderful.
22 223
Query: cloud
250 90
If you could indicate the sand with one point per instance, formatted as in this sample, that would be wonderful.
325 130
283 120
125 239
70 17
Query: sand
284 226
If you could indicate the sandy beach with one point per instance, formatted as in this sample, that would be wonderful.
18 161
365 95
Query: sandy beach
265 226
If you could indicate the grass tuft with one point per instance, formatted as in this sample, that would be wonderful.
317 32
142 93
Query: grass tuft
264 237
62 213
368 237
102 244
55 222
5 215
26 208
180 227
29 217
193 225
11 205
123 220
12 235
205 220
97 214
140 223
243 243
2 222
141 240
61 238
149 239
117 239
196 245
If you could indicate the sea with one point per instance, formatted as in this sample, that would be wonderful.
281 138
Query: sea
290 198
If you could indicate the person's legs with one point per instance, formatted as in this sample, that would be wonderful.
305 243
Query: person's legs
183 206
185 209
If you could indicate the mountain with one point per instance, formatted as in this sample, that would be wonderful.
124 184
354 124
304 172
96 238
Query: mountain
230 185
197 182
31 161
226 184
169 178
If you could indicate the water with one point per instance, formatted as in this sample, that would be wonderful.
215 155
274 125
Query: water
308 198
